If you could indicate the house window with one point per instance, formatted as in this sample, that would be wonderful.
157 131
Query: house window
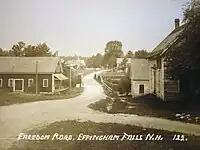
1 82
159 64
141 89
30 82
10 82
45 83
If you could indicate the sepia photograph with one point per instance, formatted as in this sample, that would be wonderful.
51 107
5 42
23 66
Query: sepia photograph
99 74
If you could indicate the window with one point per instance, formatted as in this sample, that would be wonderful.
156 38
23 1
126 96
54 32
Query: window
1 82
30 82
10 82
141 89
159 64
45 83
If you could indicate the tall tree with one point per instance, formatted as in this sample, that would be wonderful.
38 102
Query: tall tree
18 49
113 50
184 59
43 50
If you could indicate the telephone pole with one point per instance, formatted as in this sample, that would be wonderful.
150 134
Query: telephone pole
70 76
36 79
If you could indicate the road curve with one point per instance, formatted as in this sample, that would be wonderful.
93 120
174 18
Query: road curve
17 118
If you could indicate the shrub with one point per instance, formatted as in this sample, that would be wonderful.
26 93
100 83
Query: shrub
124 85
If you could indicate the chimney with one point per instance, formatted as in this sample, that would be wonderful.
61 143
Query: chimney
177 23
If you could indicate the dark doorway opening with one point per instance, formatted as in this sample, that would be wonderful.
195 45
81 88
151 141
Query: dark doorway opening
141 89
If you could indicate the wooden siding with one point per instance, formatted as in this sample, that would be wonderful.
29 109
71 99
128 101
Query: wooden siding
5 78
171 87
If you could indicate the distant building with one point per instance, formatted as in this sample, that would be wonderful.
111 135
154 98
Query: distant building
18 74
76 63
139 76
120 60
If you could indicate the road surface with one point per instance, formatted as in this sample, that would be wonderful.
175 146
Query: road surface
18 118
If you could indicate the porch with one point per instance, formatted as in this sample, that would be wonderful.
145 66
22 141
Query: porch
58 82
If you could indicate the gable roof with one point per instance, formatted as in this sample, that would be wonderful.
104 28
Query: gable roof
23 65
167 42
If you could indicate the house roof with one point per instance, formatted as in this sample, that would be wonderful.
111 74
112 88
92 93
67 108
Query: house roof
167 42
22 65
60 76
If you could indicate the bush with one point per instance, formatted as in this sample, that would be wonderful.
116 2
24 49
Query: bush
124 85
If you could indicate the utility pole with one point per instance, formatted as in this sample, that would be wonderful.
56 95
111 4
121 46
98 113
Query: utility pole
36 80
70 76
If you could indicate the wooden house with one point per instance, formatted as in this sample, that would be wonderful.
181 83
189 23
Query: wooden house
19 74
139 77
160 83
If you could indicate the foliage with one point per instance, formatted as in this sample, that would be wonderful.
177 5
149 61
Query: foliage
184 60
21 49
129 54
113 50
124 63
18 49
3 52
95 61
141 54
124 85
66 72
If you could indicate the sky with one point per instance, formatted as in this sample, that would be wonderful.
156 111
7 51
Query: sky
83 27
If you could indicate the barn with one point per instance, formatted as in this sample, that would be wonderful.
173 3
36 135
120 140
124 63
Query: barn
22 74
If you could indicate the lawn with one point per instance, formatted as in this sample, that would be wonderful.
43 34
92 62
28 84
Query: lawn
124 138
148 105
8 98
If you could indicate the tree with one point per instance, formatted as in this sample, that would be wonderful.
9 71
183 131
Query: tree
42 50
18 49
184 59
129 54
3 52
30 51
113 50
124 63
141 54
124 85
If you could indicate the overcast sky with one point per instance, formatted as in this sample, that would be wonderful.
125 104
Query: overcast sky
83 27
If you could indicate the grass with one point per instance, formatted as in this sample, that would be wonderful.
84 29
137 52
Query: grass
75 128
8 98
148 105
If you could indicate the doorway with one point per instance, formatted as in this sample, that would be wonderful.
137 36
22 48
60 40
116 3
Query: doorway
154 81
141 89
18 85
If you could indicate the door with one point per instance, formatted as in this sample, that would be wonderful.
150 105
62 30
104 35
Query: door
141 89
18 83
154 81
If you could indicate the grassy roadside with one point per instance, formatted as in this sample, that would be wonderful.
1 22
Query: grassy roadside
8 98
75 129
145 106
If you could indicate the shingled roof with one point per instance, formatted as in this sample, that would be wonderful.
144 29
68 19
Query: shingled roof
167 42
27 65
